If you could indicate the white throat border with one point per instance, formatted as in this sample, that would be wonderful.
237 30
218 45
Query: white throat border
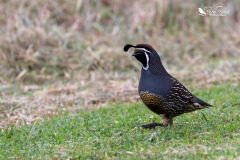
147 66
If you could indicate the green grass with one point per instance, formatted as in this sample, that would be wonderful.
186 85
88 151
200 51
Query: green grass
114 132
67 55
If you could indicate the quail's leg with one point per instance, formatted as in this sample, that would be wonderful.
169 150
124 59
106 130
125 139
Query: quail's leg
152 125
166 120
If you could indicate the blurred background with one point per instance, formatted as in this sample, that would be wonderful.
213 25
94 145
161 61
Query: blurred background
68 55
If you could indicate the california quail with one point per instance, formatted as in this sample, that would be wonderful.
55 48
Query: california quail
159 91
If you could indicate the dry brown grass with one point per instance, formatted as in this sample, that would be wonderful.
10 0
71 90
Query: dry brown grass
60 55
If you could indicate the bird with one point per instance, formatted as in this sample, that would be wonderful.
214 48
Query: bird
201 12
159 91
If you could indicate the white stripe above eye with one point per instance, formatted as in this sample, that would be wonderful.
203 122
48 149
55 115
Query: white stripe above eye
147 58
143 49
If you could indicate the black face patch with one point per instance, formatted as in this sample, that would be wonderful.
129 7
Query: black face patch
141 57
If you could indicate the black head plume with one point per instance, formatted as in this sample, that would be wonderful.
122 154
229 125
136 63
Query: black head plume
141 45
127 46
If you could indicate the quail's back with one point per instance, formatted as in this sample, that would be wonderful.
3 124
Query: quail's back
159 91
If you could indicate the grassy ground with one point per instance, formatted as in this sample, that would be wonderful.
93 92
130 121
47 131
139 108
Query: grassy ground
114 132
60 55
61 61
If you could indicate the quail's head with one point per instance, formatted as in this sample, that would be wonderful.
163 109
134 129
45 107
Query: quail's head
144 53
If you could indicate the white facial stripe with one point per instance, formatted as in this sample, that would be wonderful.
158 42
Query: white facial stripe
143 49
147 66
